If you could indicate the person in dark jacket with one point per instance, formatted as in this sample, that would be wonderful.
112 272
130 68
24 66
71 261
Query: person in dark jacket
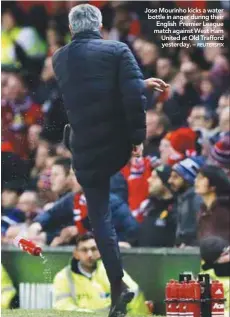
157 125
49 96
213 185
61 214
104 96
159 225
188 202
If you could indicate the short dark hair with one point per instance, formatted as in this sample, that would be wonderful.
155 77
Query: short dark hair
211 248
84 237
65 163
217 178
209 114
164 121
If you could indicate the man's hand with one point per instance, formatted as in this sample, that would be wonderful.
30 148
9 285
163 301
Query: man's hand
156 84
34 230
137 150
66 235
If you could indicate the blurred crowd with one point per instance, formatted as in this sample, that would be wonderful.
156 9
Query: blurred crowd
174 195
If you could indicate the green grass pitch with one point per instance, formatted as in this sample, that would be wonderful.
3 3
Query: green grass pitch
51 313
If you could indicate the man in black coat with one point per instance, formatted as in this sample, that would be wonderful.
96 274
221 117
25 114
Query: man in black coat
104 96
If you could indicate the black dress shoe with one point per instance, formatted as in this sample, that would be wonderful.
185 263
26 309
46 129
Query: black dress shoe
119 309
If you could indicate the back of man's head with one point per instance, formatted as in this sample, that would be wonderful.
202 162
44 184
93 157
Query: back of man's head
214 251
85 17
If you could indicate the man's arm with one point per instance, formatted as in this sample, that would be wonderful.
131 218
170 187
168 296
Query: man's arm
60 214
132 89
125 224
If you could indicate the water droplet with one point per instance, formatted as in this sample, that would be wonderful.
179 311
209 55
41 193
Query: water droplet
47 269
45 260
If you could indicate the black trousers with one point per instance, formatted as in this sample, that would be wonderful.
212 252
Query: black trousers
104 232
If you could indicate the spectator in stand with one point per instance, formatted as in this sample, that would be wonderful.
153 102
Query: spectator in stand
148 55
223 102
69 215
157 126
33 139
184 94
201 118
55 180
136 174
125 224
59 16
213 185
58 222
44 151
208 93
224 121
10 196
19 112
60 216
137 46
87 276
48 94
220 154
159 224
54 39
177 145
220 70
191 71
38 18
48 85
21 46
4 79
14 169
164 69
10 214
188 202
29 205
43 182
61 177
126 25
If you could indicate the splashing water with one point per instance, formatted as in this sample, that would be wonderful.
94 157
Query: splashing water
47 272
45 260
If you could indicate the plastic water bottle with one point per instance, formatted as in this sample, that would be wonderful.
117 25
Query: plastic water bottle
28 246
